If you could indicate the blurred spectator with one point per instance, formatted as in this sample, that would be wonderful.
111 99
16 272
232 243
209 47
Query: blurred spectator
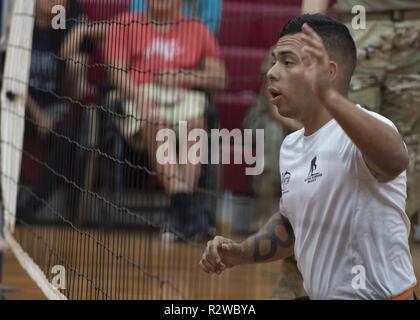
45 113
77 49
387 78
170 60
46 73
208 11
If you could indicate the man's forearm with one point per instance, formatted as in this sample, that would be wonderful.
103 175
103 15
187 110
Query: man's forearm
203 80
273 242
381 145
212 77
315 6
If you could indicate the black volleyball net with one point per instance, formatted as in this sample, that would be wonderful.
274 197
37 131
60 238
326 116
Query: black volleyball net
115 169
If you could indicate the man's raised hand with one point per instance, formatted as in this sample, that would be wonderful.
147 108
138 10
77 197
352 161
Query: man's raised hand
316 61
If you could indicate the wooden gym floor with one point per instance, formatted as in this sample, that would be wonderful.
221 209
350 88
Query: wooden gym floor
277 280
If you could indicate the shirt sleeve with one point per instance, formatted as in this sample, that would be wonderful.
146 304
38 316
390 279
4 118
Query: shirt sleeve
353 158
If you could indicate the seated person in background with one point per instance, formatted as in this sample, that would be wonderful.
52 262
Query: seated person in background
45 113
208 11
170 60
76 49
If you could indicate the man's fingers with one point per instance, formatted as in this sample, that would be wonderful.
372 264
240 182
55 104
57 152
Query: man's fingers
213 249
317 47
314 52
213 264
210 256
213 257
208 266
202 266
232 249
226 246
306 29
306 58
212 253
311 42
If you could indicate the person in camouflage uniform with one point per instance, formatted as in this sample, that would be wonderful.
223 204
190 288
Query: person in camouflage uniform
387 77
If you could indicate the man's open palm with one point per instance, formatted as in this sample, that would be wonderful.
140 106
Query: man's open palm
316 62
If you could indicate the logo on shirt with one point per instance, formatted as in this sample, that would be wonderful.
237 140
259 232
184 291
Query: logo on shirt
313 175
166 49
285 179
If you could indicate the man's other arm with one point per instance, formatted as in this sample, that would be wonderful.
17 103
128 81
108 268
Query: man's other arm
274 241
315 6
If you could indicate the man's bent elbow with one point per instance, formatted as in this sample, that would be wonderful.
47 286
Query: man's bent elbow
404 162
220 78
399 165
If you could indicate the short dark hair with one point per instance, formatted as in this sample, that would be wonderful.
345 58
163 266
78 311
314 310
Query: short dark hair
335 35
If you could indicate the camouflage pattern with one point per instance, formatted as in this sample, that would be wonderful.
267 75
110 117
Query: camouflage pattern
387 80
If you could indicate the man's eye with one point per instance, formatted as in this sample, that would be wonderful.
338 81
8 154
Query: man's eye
288 63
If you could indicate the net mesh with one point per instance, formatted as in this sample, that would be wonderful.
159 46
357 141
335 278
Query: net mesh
87 86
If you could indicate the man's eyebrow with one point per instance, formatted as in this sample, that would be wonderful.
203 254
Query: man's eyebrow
284 52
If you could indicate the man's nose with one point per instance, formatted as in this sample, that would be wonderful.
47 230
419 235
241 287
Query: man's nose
273 74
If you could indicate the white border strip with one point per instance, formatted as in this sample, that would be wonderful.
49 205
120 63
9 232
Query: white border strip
12 124
33 269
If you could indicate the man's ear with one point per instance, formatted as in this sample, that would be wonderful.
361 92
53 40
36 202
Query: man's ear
333 70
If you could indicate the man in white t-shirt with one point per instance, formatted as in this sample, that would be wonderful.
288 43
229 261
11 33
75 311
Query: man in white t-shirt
342 211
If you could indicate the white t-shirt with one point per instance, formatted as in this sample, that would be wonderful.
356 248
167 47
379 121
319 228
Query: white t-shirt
346 223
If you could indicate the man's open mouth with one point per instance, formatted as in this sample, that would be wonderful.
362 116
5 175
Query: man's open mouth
274 93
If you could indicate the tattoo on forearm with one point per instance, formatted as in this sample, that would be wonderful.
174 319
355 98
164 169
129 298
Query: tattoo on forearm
274 242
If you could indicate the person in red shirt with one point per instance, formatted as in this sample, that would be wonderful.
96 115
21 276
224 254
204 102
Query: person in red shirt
155 55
